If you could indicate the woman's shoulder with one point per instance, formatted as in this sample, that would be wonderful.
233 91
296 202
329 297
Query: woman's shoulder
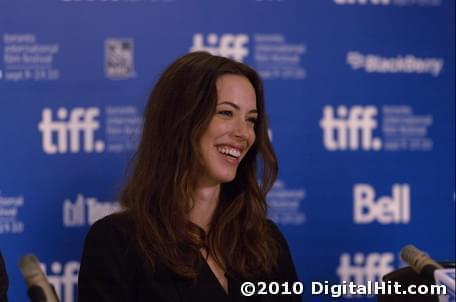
121 219
109 239
110 265
285 266
276 233
117 227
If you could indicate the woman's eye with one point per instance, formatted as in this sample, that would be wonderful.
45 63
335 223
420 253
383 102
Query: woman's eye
252 120
226 113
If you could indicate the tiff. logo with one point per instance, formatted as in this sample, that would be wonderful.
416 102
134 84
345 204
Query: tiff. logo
386 210
66 132
64 279
85 211
370 267
350 129
226 45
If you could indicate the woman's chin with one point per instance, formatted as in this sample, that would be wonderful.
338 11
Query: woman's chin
226 177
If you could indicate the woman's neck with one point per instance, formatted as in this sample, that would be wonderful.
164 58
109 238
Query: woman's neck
205 201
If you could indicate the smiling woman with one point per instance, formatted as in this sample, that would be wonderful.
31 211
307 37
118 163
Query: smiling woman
230 133
194 226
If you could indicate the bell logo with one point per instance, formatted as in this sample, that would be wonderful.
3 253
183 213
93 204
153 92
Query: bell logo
386 210
352 129
370 267
227 45
65 134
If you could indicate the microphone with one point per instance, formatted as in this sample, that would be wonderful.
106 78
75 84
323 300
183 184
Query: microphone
420 262
39 289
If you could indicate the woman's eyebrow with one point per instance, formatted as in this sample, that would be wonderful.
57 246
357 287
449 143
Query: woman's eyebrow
235 106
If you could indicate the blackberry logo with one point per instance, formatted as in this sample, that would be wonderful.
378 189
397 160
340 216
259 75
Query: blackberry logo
226 45
71 127
349 129
407 64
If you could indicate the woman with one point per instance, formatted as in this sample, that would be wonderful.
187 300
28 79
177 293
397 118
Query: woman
195 222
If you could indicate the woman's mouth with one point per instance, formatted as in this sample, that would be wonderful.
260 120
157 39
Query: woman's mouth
229 153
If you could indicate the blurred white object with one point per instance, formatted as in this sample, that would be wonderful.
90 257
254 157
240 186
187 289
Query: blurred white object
446 277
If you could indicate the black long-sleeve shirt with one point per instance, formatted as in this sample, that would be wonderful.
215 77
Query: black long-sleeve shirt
112 271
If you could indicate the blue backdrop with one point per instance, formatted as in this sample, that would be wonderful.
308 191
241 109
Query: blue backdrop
360 96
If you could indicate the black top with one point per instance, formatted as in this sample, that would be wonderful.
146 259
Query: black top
112 270
3 280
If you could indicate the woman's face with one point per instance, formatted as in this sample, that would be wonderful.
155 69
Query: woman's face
230 133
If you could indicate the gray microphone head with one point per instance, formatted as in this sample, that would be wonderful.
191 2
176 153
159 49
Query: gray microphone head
30 268
35 277
416 258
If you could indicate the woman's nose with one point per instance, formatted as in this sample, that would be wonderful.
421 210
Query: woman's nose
242 130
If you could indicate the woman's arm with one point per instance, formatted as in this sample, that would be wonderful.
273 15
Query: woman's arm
285 271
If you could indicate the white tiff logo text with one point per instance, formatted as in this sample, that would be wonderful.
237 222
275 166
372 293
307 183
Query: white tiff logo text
85 211
64 279
386 209
370 267
66 132
226 45
350 128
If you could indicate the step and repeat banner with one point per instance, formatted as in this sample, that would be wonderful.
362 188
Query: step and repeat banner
360 96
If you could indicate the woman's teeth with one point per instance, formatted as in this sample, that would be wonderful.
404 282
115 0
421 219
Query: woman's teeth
229 151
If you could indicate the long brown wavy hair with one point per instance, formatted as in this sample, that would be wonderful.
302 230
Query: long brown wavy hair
166 167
